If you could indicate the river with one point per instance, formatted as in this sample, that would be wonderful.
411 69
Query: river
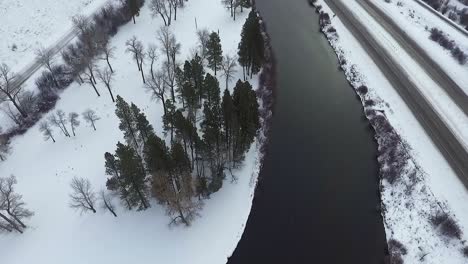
318 195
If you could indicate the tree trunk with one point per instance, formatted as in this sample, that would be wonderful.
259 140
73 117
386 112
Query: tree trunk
53 139
23 114
110 92
164 105
110 210
13 224
108 63
143 200
134 22
142 74
92 123
164 19
94 86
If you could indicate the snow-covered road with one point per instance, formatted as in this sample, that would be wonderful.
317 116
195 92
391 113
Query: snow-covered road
421 106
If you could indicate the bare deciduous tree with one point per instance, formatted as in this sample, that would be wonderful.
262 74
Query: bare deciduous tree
135 47
170 48
46 58
59 120
108 53
153 56
12 204
46 130
82 197
106 202
203 36
90 117
228 66
106 76
157 87
9 91
163 9
90 66
74 122
81 23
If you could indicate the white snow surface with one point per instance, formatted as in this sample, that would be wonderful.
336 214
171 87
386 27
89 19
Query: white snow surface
32 24
436 187
414 19
57 234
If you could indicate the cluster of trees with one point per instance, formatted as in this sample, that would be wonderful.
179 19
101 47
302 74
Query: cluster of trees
12 207
208 134
166 9
234 5
84 198
192 166
61 121
443 40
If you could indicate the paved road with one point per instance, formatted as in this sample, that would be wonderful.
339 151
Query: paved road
435 127
430 66
29 70
34 66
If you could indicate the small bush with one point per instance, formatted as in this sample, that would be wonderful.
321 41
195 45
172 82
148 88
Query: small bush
331 30
446 225
465 251
362 90
369 103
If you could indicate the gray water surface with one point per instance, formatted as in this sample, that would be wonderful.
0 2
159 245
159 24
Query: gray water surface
318 196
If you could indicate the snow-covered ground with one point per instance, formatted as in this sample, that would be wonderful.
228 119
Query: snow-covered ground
32 24
417 22
58 234
434 187
447 109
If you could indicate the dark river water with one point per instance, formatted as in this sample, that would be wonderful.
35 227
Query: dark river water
317 199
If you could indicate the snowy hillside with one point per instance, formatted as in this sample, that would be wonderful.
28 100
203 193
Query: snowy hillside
58 234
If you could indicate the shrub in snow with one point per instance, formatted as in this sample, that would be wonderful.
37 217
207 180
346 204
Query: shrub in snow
446 225
465 251
362 90
369 103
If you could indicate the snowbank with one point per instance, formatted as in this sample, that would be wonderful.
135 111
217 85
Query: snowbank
426 185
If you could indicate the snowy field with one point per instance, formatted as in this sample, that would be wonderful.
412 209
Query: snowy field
58 234
32 24
408 203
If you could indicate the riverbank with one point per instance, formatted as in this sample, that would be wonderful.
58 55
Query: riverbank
420 225
308 176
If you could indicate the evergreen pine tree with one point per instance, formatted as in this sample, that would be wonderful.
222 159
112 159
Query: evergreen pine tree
142 125
214 52
211 86
134 8
251 46
133 176
114 183
230 122
247 116
197 75
168 119
128 122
